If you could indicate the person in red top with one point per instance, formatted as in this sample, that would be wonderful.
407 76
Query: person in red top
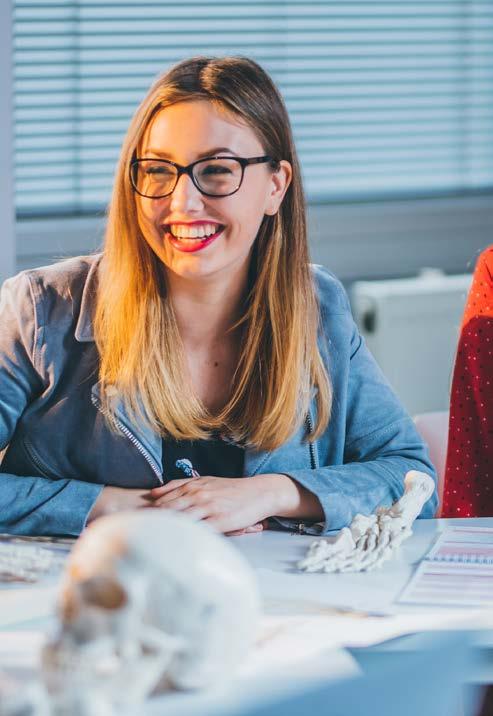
468 488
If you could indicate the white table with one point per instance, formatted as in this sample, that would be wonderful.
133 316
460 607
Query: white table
285 591
274 555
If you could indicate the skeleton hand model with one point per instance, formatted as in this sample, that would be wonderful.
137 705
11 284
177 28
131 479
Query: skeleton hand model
371 540
149 599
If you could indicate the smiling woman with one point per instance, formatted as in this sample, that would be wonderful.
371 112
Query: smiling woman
200 345
206 192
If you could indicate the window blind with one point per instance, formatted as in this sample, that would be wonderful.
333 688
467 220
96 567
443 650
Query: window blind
386 98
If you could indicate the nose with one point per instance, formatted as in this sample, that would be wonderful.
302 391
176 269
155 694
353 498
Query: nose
185 196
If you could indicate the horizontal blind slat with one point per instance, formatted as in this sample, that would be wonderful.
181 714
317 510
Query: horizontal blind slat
384 97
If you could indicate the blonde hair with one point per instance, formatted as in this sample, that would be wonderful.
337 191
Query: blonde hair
136 332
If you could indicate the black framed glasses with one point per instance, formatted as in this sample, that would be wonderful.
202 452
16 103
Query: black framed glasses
213 176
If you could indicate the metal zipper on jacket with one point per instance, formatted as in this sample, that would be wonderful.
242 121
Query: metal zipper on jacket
145 454
311 446
301 528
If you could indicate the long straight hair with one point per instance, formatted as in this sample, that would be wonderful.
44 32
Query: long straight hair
136 332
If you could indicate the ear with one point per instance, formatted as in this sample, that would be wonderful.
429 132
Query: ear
280 180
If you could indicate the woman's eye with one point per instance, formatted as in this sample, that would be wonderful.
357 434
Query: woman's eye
215 169
158 171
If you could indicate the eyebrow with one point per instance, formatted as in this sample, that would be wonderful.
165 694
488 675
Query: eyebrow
208 153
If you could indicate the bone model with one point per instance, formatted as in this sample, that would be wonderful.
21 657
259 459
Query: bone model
373 539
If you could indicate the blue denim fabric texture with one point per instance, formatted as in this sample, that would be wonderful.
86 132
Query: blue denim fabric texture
59 452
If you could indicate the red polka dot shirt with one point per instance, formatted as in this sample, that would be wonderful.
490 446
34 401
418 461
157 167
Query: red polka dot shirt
468 488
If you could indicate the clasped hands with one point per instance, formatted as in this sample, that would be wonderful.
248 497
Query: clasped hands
228 505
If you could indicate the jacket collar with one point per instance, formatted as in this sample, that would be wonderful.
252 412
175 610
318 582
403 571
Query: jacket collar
84 329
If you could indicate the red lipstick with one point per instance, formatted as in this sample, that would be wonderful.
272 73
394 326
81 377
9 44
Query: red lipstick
192 245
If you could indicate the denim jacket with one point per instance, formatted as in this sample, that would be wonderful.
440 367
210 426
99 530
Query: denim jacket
59 451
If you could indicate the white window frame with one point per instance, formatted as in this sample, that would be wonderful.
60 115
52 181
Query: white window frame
7 211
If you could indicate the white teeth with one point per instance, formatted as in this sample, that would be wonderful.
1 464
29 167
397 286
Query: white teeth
182 231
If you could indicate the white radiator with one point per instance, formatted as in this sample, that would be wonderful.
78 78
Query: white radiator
411 326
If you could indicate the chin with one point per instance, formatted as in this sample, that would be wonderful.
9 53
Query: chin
192 270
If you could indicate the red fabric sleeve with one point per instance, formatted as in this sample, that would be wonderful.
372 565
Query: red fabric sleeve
468 488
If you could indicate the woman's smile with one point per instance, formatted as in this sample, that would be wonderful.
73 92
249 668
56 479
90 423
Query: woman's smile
193 236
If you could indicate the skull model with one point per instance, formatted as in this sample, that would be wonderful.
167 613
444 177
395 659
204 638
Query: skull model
149 599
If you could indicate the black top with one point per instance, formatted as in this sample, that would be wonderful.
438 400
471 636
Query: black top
215 457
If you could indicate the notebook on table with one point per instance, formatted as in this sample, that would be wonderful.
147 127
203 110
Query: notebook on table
457 571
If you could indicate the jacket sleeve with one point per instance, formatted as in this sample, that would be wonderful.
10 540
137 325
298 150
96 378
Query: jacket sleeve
31 505
380 441
468 488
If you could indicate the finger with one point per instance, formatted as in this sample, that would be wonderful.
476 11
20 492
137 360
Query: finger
246 530
255 528
222 523
195 512
169 487
179 494
235 533
179 503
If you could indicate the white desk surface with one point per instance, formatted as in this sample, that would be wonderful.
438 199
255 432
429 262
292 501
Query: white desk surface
25 612
274 554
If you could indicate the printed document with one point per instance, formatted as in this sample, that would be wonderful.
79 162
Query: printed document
458 570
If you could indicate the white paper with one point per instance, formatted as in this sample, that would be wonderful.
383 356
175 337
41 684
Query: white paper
457 571
464 545
451 584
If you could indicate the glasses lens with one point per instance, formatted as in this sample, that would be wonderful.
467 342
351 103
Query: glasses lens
218 176
153 178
